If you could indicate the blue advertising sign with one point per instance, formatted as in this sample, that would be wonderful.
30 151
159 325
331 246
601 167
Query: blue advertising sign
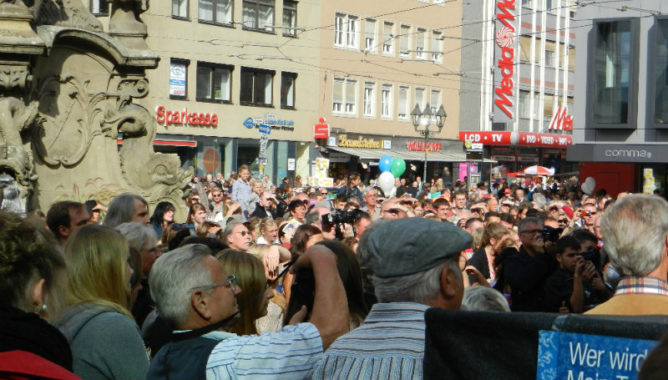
572 356
249 123
265 129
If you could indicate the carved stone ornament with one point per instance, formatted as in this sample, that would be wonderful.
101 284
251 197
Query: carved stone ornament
13 77
68 13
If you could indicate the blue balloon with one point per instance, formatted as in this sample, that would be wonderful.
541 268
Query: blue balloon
385 164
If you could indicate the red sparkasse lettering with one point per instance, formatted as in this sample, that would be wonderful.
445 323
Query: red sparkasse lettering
504 14
214 120
185 118
160 111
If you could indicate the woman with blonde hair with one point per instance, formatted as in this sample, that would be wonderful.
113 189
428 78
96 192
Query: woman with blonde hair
271 256
483 258
254 298
268 231
105 340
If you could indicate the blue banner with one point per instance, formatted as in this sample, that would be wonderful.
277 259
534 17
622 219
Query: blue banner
570 356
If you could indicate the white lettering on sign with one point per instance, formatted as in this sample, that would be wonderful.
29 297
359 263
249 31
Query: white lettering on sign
628 153
496 137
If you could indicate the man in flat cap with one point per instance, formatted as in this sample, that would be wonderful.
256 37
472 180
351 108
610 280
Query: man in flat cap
416 265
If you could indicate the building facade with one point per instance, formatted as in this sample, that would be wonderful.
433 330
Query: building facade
517 81
622 78
378 60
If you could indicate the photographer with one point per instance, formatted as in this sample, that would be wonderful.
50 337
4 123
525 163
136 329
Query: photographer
526 270
576 285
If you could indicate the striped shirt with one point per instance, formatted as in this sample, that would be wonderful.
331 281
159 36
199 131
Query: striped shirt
389 345
291 353
642 285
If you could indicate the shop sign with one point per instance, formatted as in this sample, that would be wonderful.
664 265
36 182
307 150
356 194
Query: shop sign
177 79
360 142
505 39
561 120
270 120
321 130
419 146
185 118
522 138
473 147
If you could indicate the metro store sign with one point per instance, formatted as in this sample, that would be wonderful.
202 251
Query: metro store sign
538 140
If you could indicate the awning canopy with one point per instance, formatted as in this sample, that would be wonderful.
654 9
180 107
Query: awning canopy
375 154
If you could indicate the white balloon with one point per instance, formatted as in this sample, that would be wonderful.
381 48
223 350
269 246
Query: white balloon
588 186
386 182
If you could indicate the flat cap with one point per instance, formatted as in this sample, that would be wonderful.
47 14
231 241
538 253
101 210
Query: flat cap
413 245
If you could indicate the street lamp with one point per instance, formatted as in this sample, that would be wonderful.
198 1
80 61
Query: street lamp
422 120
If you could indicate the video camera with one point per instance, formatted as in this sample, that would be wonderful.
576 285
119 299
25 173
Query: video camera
340 217
551 234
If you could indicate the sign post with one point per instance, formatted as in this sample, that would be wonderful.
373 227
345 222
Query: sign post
265 130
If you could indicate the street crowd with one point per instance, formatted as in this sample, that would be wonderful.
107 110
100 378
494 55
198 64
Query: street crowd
290 281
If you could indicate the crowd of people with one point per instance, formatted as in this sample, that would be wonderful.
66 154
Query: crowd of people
293 281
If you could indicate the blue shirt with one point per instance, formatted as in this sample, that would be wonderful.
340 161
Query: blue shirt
241 191
291 353
389 345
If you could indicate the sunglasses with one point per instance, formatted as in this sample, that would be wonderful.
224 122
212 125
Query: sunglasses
394 211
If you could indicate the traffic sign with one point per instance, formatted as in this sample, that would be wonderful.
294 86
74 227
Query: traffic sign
249 123
265 129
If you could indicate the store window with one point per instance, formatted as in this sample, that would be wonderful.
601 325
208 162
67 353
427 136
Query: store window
258 15
388 38
386 101
178 78
369 99
289 18
614 74
370 42
214 82
404 41
180 8
346 30
216 11
256 87
344 100
288 81
659 75
404 103
99 7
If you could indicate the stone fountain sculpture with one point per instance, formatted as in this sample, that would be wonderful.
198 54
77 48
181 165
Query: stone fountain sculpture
69 127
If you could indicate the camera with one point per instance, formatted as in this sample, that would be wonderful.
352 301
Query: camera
340 217
551 234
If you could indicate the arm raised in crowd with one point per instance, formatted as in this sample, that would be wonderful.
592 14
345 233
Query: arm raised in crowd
330 313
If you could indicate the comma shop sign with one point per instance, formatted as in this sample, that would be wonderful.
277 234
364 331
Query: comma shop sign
572 356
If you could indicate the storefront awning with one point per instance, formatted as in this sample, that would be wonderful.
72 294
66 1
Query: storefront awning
376 154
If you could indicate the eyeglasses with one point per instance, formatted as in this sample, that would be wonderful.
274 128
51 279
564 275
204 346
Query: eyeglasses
231 283
563 220
243 233
217 195
394 211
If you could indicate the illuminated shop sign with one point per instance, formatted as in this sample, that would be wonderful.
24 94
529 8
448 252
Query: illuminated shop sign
505 39
185 118
418 146
513 138
271 120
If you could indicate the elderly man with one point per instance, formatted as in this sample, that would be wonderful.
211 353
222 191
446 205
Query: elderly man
416 265
527 269
193 292
127 208
264 205
392 209
635 236
371 206
314 218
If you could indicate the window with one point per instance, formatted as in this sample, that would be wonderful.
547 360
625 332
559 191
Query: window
550 58
178 78
437 47
256 87
346 28
370 36
388 38
404 40
527 3
525 98
548 5
404 101
525 49
435 101
259 15
614 70
288 90
180 8
386 101
369 99
344 96
419 98
420 43
289 18
99 7
213 82
659 73
216 11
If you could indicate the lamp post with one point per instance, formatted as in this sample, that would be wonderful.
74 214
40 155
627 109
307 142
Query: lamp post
422 120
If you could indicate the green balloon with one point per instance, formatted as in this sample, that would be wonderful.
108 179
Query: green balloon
398 167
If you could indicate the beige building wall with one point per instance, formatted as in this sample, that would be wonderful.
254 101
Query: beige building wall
393 66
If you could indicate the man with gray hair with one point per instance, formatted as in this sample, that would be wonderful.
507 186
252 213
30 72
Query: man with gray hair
635 236
197 297
416 264
125 208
